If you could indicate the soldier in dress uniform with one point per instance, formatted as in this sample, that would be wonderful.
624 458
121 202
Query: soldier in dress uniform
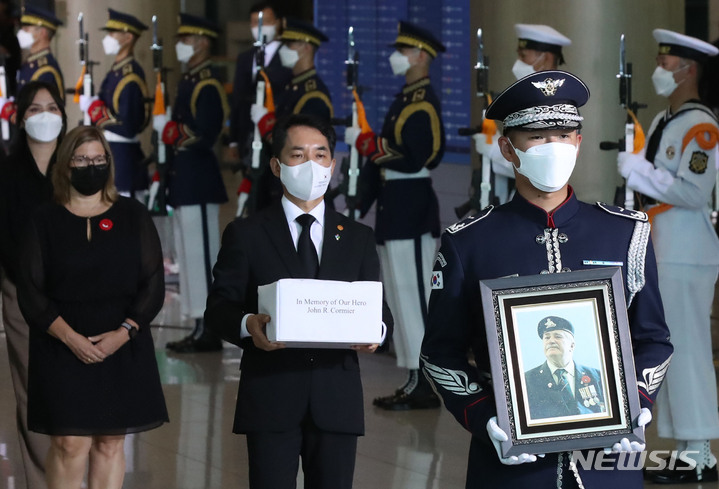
121 108
243 92
543 229
306 93
195 186
38 28
397 176
676 174
539 47
560 386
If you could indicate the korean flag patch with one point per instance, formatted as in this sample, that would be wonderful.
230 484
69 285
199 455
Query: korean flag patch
437 280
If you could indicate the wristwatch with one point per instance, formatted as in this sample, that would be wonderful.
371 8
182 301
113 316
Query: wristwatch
131 330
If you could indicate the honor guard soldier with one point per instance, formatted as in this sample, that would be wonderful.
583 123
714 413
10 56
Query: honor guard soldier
121 108
38 28
306 93
539 47
195 186
243 92
543 229
675 175
397 176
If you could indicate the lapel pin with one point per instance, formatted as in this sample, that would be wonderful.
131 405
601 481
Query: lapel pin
337 237
340 227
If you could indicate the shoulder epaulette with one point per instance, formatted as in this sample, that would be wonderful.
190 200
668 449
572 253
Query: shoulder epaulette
621 211
468 221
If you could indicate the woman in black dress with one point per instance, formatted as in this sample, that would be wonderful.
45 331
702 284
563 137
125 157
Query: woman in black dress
24 186
92 280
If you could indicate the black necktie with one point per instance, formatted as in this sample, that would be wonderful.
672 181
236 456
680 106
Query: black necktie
306 248
656 137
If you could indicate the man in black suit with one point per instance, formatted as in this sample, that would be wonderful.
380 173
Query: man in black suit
243 91
294 402
560 386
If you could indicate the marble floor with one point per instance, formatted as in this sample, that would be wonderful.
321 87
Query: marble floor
196 450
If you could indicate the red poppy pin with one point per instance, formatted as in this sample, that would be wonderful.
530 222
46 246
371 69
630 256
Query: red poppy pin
586 379
106 224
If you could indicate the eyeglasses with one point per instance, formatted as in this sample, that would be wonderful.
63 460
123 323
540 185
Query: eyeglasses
82 161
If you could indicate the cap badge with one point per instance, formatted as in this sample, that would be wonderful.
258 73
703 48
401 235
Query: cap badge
549 323
549 87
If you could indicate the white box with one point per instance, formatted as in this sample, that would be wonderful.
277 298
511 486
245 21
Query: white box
322 313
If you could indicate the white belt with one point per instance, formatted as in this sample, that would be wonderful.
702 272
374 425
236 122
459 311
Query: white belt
116 138
398 175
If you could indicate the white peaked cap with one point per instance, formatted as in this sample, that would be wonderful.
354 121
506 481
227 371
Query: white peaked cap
541 34
684 46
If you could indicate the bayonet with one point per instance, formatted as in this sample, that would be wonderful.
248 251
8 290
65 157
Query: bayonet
81 40
352 60
482 67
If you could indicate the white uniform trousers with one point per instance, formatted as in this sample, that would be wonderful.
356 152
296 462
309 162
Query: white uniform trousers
33 446
687 402
197 242
406 274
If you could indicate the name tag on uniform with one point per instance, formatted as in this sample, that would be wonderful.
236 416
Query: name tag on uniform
603 263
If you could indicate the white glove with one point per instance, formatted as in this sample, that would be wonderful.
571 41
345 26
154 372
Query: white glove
257 112
86 101
481 145
159 122
351 135
630 162
497 435
624 445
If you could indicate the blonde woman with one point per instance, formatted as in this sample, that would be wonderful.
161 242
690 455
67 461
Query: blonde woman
92 282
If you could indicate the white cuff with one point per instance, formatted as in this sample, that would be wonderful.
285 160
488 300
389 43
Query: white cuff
243 327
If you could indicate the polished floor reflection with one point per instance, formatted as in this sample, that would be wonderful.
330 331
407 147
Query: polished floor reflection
196 450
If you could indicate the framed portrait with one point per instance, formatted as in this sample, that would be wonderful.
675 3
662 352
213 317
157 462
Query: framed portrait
561 360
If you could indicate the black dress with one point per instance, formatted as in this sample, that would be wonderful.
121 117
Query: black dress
93 285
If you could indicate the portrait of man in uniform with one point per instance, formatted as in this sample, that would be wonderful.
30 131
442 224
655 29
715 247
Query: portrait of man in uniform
560 386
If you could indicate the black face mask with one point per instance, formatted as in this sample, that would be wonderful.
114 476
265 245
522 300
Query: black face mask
91 179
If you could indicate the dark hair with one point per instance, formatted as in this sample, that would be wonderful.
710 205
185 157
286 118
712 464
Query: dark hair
24 101
279 134
260 6
61 172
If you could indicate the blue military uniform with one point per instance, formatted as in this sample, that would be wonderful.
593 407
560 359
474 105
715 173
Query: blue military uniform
521 238
545 397
42 65
397 176
200 110
195 186
305 94
124 112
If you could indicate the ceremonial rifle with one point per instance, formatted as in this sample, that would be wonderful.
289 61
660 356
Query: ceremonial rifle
84 83
481 185
161 111
249 187
4 123
350 167
633 140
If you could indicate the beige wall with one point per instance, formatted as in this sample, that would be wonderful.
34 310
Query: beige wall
594 27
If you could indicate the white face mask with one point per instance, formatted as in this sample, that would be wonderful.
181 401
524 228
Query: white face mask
268 32
44 127
306 181
110 45
663 80
547 166
25 39
288 57
184 52
400 63
522 69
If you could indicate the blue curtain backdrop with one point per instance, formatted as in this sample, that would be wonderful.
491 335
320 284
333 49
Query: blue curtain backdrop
375 27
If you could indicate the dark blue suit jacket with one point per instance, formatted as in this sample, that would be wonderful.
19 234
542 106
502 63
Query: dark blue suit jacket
545 397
